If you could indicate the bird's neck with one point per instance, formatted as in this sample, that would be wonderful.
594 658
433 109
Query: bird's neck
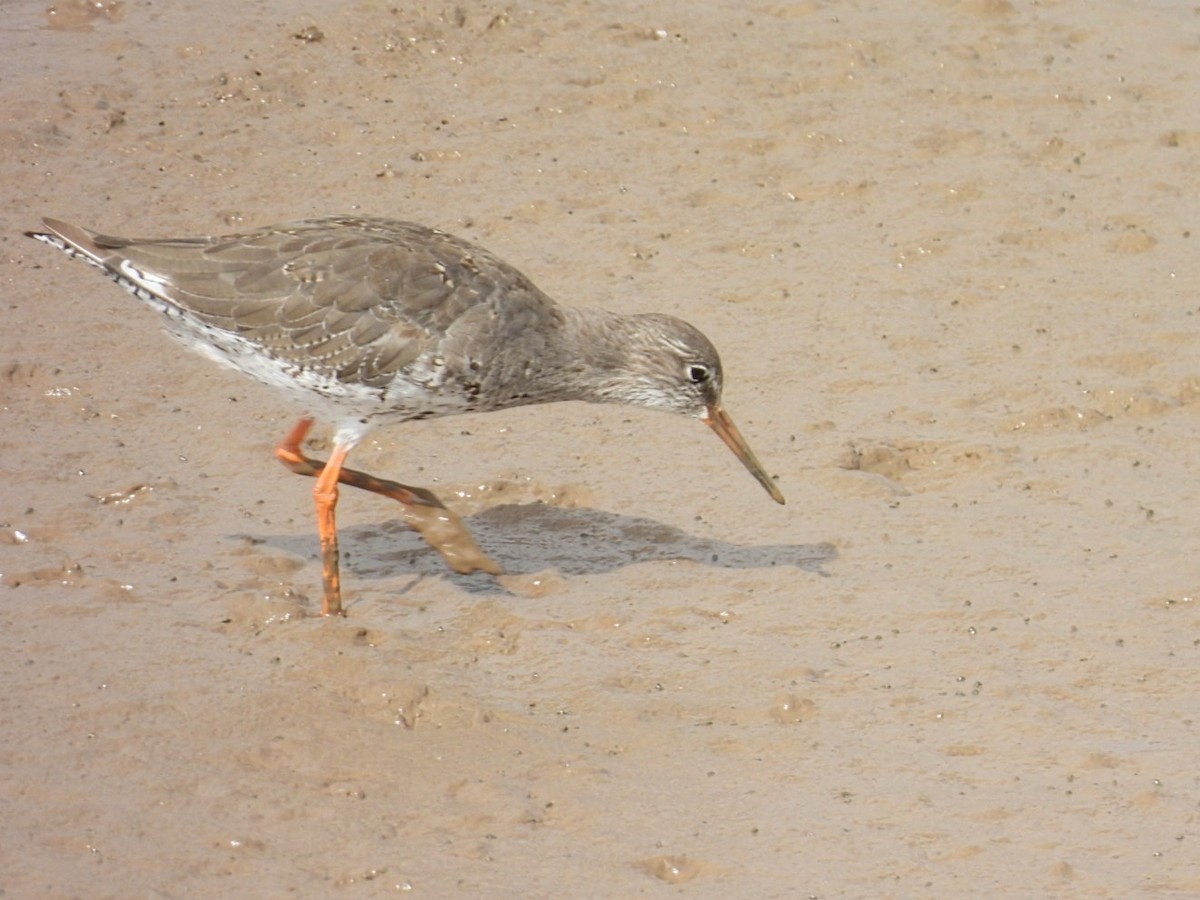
594 356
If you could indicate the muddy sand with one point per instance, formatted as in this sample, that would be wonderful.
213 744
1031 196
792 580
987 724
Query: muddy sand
949 253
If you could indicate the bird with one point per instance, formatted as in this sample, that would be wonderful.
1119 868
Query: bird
373 321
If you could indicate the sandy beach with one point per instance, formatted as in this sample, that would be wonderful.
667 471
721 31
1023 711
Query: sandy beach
949 253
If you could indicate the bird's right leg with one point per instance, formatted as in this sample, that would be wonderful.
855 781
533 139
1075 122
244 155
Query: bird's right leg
422 510
325 492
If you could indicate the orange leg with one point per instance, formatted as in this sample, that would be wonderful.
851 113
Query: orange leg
289 453
423 511
325 492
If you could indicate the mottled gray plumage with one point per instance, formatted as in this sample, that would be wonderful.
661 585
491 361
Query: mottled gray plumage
393 320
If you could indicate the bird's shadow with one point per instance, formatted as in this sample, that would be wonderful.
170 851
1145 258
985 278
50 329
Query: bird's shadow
532 537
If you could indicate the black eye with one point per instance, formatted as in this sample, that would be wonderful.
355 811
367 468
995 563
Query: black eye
698 374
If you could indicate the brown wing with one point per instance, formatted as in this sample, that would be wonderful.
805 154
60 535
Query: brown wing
355 298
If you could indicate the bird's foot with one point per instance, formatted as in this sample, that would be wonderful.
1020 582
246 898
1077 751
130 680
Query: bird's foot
445 532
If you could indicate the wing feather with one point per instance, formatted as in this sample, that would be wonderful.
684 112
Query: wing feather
352 298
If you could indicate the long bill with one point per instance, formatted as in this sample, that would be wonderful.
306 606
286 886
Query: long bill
718 420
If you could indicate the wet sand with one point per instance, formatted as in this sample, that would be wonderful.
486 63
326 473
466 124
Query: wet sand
949 253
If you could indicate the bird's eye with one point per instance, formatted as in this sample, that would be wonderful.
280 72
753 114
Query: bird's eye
698 374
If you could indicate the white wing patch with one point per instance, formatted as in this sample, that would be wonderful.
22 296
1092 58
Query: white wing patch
151 281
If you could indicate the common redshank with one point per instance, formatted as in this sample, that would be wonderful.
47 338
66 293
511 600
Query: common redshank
374 321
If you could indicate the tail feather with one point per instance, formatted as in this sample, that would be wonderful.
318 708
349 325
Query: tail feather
79 243
76 242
